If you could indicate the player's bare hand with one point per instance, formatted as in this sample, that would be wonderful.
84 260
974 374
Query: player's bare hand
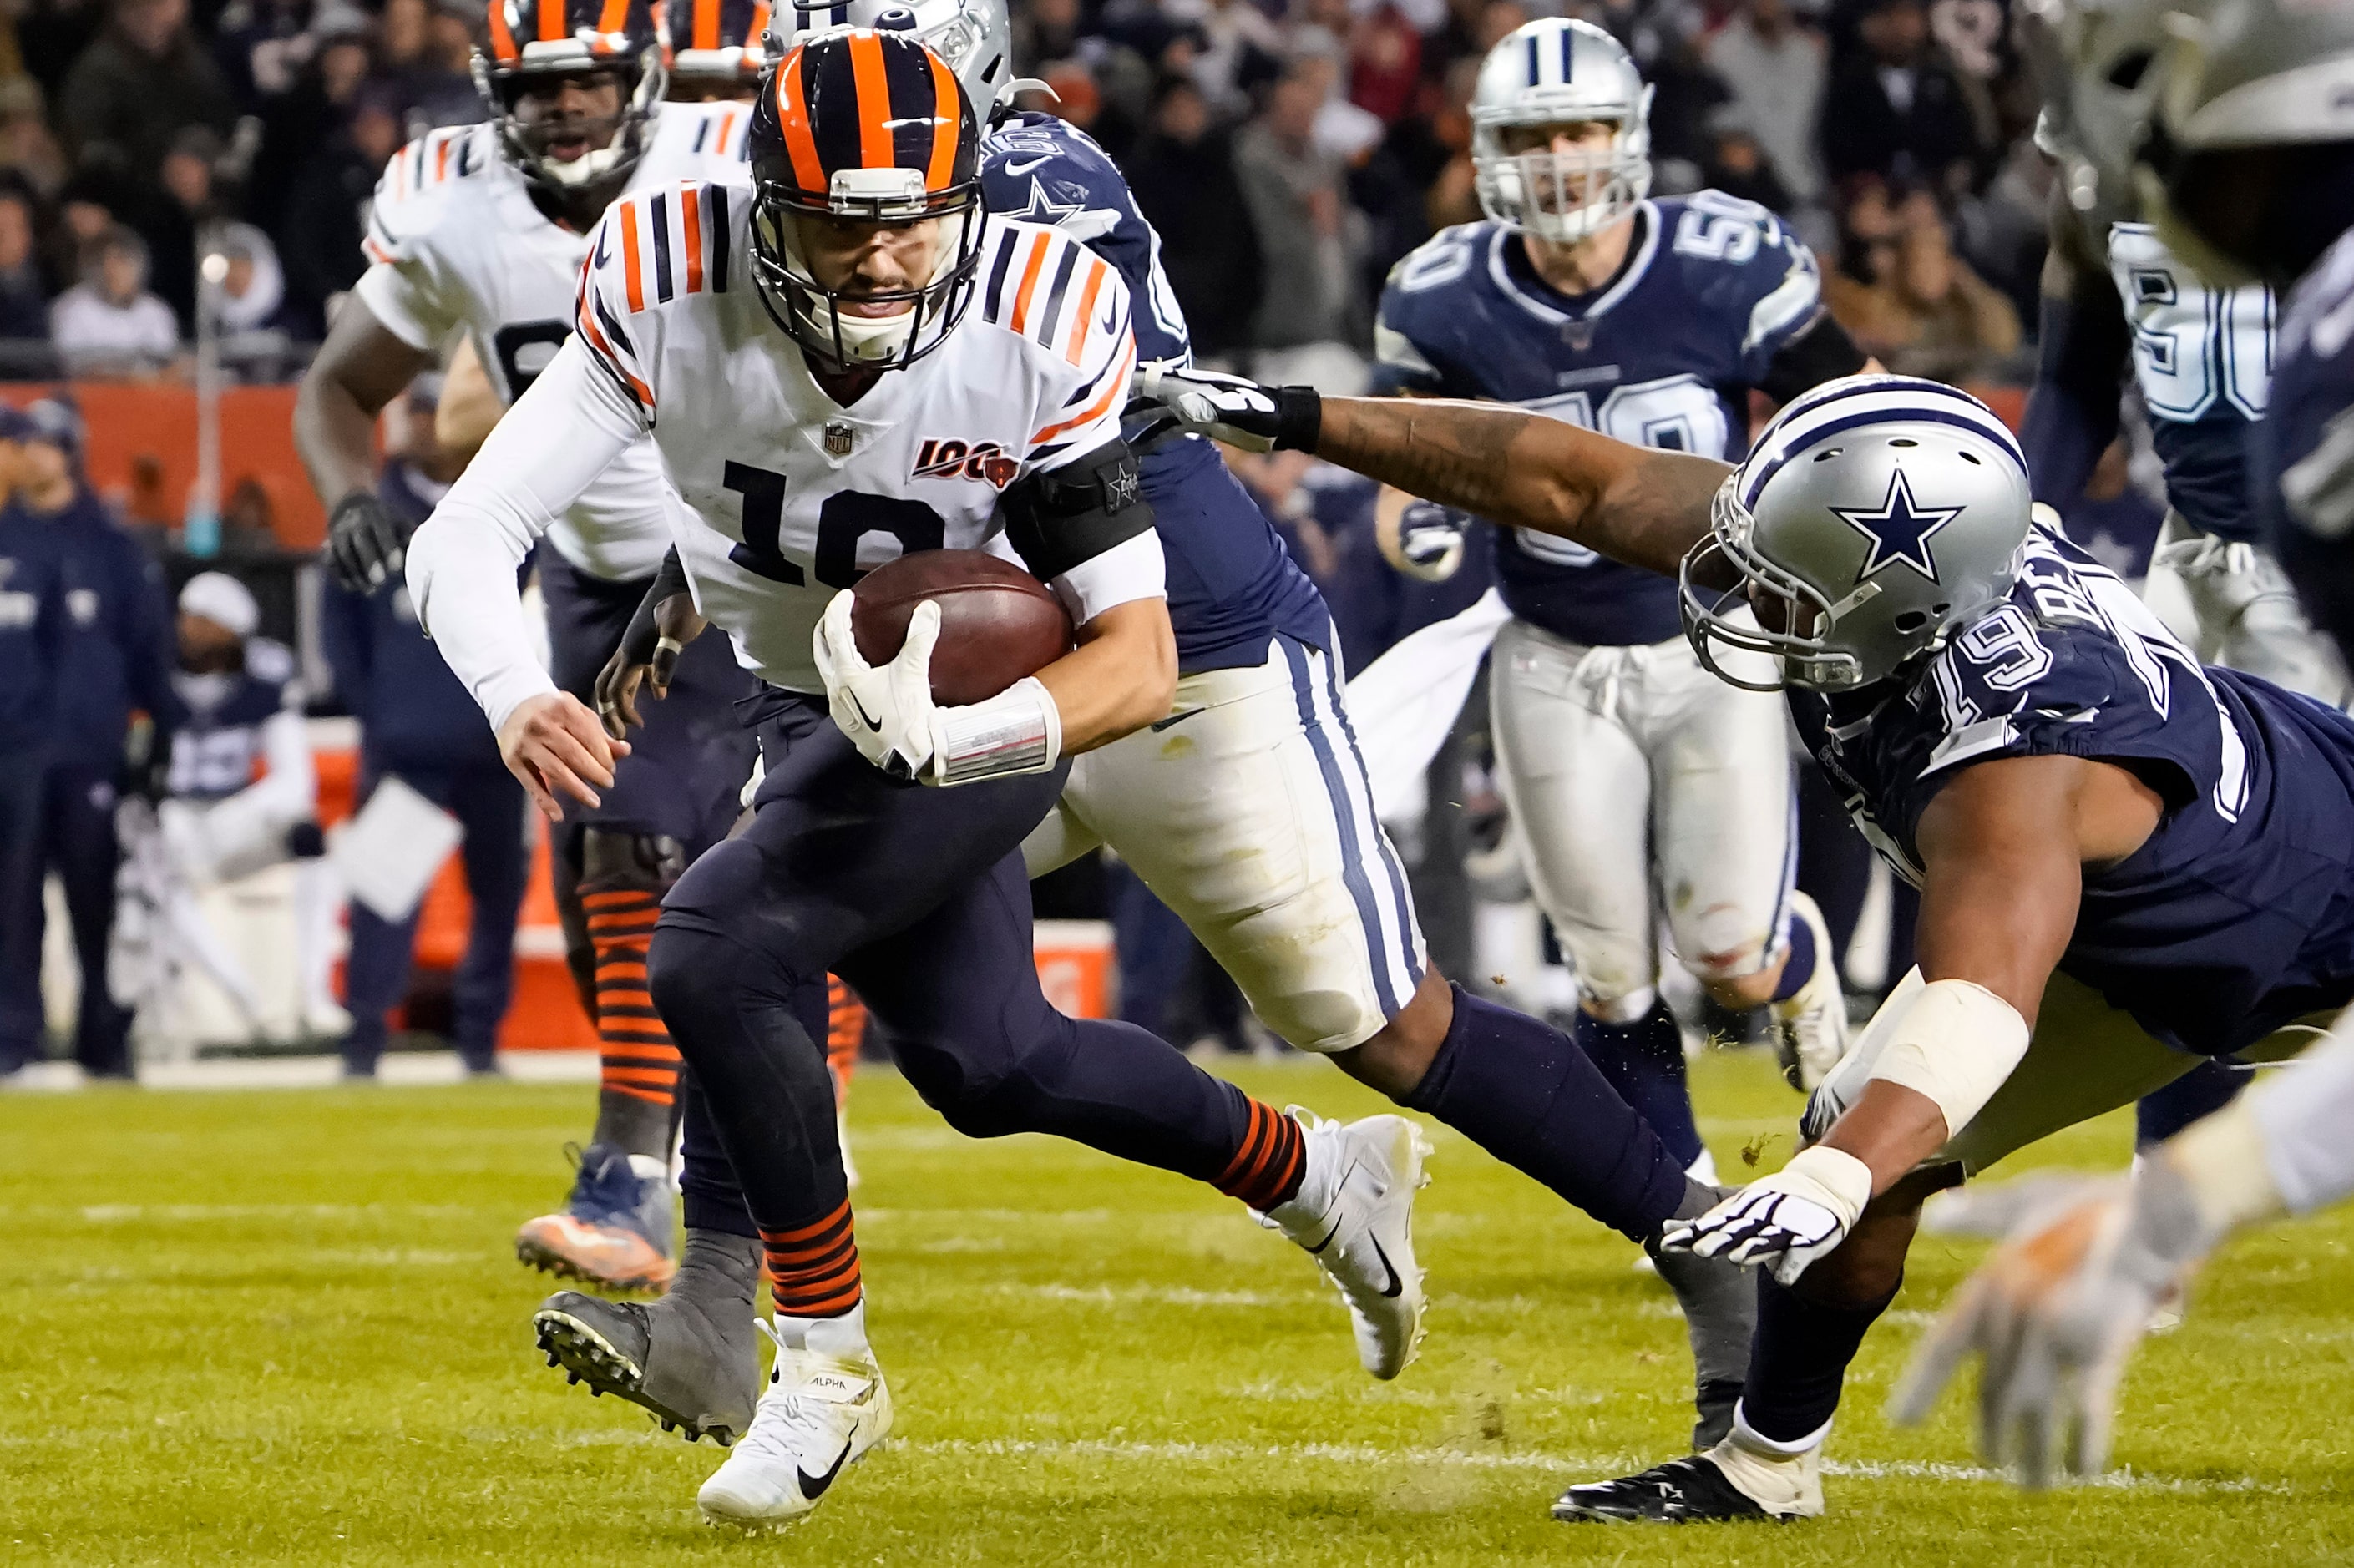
677 624
555 745
2055 1313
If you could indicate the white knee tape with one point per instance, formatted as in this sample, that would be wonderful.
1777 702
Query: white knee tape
1956 1044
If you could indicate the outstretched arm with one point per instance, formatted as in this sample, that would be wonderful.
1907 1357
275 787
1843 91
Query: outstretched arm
1645 508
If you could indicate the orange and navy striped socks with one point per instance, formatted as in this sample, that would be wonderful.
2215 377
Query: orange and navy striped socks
638 1060
1266 1170
845 1031
813 1268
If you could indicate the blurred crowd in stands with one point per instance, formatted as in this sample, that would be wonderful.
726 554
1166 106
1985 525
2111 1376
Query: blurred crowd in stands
1287 151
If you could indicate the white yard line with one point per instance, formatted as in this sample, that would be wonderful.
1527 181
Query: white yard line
400 1069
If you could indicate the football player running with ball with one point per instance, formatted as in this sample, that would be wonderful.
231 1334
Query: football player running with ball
477 233
2128 862
1646 792
790 350
1245 807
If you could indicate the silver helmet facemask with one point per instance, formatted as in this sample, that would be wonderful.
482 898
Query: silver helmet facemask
624 135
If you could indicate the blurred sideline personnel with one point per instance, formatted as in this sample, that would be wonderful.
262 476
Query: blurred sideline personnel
1245 807
2127 861
812 334
242 795
32 634
2243 149
117 662
481 230
1645 791
418 725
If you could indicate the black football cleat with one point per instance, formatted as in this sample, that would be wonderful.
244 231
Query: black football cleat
1690 1490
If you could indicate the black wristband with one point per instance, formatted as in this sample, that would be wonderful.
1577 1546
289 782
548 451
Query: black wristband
1299 419
641 637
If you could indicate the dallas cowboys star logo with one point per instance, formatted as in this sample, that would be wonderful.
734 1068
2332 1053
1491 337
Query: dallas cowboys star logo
1899 530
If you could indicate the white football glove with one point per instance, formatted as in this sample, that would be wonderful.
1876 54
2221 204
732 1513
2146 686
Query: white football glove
1430 539
2056 1312
1228 408
1782 1222
888 712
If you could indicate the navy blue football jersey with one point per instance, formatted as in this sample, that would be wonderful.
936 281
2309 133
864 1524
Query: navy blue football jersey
2237 915
2303 454
218 748
2202 358
1664 357
1232 585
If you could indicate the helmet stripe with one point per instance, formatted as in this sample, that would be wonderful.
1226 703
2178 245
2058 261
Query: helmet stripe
614 18
503 40
872 86
792 119
551 20
1536 71
706 24
758 28
948 124
1805 427
1568 55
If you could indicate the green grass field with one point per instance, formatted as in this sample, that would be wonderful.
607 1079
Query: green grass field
286 1328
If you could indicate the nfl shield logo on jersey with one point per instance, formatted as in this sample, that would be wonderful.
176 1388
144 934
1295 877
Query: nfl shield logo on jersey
839 437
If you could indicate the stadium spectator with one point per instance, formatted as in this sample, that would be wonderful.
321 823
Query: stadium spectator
1291 189
117 659
1774 69
108 327
299 125
138 84
320 230
1894 108
1906 297
1738 166
171 221
29 148
1183 176
24 304
1242 48
419 725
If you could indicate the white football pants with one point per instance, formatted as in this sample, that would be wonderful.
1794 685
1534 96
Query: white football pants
1647 791
1249 813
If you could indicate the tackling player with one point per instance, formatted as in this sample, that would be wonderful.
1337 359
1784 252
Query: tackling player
2127 862
478 233
1247 810
1647 793
792 350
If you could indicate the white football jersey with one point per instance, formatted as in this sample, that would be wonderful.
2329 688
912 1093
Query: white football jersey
457 244
788 496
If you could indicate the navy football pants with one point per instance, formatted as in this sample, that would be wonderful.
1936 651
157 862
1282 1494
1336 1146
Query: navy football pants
918 898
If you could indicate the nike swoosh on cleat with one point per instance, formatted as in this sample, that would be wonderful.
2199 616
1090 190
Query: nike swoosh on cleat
813 1487
1396 1285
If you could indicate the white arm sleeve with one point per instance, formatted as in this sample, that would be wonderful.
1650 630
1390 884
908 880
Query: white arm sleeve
1133 569
551 447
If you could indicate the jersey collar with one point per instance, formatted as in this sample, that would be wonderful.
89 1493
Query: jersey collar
1545 304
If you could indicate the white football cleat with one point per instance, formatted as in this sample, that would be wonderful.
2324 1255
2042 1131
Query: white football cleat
819 1416
1354 1215
1809 1030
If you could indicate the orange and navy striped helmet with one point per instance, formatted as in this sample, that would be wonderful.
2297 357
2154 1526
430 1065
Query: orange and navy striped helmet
863 126
529 42
713 45
869 124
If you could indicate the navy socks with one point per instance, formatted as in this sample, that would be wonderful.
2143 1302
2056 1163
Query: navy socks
1798 1360
1644 1063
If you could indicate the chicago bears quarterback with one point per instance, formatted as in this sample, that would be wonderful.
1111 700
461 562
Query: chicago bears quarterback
792 350
2247 145
2128 862
478 232
1646 792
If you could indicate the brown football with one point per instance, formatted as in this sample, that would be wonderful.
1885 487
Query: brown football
998 623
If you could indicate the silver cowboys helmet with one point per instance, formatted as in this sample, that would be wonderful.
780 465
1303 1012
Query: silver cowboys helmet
1551 73
974 36
2094 63
1875 516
